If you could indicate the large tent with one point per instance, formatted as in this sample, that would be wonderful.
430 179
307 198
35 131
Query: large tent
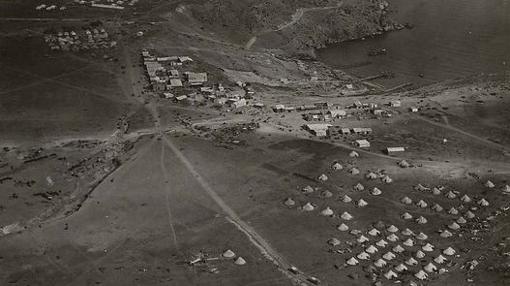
453 211
363 256
380 263
489 184
398 249
449 251
454 226
421 188
446 233
440 259
465 199
363 239
430 267
420 254
436 191
483 202
451 195
371 249
354 171
401 267
428 247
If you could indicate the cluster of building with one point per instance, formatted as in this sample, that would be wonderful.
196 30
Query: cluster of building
107 4
72 41
172 77
49 7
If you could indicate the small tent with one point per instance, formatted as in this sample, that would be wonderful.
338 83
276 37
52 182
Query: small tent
469 214
430 267
240 261
354 154
422 275
358 187
363 239
421 220
392 237
421 188
406 200
408 242
428 247
337 166
346 199
404 164
407 232
389 256
489 184
449 251
352 261
354 171
308 207
371 176
422 236
465 199
390 275
327 212
453 211
322 178
445 234
421 204
343 227
346 216
289 202
381 243
461 220
436 191
362 203
375 191
406 216
307 190
334 241
398 249
483 202
386 179
451 195
437 208
228 254
454 226
392 229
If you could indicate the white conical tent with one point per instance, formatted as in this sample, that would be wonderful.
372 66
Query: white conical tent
506 189
346 199
440 259
346 216
453 211
381 243
409 242
358 187
445 234
421 220
406 216
228 254
371 249
422 275
436 191
451 195
465 199
401 267
326 194
289 202
420 254
375 191
337 166
380 263
421 188
407 232
307 190
343 227
469 214
240 261
334 241
352 261
428 247
411 261
386 179
454 226
398 249
308 207
422 236
362 239
322 178
489 184
404 164
461 220
430 267
389 256
363 256
437 208
406 200
483 203
362 203
392 237
327 212
371 176
390 275
392 229
354 171
353 154
421 204
374 232
449 251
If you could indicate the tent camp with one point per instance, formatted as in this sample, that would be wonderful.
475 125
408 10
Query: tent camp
374 232
322 178
407 232
406 216
358 187
346 216
430 267
240 261
362 203
337 166
381 243
437 208
421 220
449 251
308 207
389 256
392 229
327 212
375 191
421 204
392 237
343 227
409 242
289 202
354 154
422 236
334 241
352 261
422 275
228 254
371 176
428 247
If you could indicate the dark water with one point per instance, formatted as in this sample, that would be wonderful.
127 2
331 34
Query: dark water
450 39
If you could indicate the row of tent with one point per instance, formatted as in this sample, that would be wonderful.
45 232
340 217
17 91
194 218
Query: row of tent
229 254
